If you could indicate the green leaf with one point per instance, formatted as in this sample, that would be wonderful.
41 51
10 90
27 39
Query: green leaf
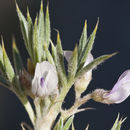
7 65
60 62
83 40
47 27
4 81
60 124
24 27
54 52
2 70
87 127
73 126
30 35
72 65
94 64
118 123
41 25
35 42
49 57
18 64
68 123
88 47
41 33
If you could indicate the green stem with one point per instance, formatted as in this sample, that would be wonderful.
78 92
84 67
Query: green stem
28 108
78 102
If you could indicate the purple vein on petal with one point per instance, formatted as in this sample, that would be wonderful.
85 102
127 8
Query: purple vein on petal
42 82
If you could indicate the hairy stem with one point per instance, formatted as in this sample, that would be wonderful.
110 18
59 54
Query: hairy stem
28 108
78 102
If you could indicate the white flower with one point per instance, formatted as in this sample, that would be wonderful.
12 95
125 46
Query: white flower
81 83
45 79
121 89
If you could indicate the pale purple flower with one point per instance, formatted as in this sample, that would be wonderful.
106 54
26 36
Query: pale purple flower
121 89
68 55
45 79
81 83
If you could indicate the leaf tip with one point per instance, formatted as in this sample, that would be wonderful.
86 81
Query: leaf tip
41 6
58 36
3 47
85 24
17 7
96 27
13 43
115 53
47 9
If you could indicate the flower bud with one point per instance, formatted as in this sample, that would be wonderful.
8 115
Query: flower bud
119 92
45 80
81 83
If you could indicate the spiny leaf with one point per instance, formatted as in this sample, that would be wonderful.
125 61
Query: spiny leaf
94 64
7 65
118 123
73 126
41 32
60 124
49 56
72 66
83 40
41 28
4 81
47 27
87 127
54 52
30 35
88 47
18 64
24 26
35 42
60 62
68 123
2 70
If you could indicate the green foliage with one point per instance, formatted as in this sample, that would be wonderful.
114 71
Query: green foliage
118 123
60 62
59 125
35 36
47 27
93 64
18 64
72 65
68 123
7 65
82 41
86 46
2 70
37 39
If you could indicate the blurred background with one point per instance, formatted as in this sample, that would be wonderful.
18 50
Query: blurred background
68 17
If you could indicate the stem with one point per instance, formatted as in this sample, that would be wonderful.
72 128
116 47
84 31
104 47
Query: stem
28 108
47 121
78 102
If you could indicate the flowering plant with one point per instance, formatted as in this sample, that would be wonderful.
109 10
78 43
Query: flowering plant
47 81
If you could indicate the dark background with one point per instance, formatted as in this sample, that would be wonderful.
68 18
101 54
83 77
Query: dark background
68 17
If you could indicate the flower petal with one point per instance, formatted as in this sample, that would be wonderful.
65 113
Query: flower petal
121 89
48 72
125 77
89 59
68 55
120 95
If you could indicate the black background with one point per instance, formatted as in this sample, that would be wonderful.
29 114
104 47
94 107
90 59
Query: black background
68 17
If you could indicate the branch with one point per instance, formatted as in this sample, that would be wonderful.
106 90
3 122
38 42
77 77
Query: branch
74 109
